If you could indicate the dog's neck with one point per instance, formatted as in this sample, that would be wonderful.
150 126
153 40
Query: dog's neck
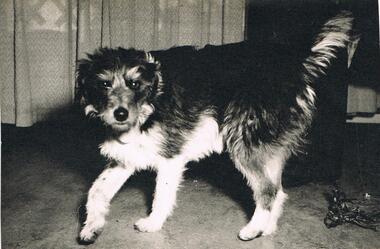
122 137
115 135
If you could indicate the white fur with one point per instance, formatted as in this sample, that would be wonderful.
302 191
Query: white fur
89 109
105 75
169 177
135 149
329 41
118 81
310 94
302 103
150 58
146 111
306 103
133 73
205 139
273 168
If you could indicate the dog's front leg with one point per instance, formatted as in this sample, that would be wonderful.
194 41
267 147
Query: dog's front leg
99 197
169 177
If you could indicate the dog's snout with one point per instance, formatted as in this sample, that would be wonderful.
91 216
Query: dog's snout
121 114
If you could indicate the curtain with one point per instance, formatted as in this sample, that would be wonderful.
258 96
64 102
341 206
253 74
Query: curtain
41 40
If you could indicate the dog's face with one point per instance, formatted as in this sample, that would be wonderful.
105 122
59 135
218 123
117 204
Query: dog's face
119 85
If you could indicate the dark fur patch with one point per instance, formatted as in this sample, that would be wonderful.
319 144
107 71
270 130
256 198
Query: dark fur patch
267 195
218 77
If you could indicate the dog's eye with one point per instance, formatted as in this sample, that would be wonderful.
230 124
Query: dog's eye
133 84
106 84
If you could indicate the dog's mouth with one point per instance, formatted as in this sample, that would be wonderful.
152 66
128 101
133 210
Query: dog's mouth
121 126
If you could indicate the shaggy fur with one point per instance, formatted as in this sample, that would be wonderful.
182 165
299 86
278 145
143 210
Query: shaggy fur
166 108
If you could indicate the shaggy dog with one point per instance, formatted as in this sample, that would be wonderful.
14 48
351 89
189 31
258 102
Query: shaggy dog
166 108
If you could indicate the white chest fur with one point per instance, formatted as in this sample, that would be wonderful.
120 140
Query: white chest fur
135 148
141 149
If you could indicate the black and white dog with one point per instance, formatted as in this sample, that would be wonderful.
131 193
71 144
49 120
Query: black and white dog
166 108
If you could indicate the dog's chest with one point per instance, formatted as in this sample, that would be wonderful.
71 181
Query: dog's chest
135 149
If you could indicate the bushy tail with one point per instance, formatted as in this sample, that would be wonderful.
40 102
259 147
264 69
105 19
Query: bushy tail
336 34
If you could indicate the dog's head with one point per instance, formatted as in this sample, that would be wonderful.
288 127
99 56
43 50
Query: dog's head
119 86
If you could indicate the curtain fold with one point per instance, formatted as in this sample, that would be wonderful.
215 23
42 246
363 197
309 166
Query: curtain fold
22 88
41 40
37 59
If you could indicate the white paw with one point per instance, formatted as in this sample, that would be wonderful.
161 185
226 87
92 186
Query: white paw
89 234
249 233
148 224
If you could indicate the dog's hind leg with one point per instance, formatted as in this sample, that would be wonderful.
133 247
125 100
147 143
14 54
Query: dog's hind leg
273 168
169 177
99 197
263 174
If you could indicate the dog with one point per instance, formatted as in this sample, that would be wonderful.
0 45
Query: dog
165 108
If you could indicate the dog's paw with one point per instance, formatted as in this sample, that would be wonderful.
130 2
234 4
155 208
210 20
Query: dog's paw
247 233
148 224
88 235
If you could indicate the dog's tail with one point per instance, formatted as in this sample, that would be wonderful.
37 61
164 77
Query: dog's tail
336 34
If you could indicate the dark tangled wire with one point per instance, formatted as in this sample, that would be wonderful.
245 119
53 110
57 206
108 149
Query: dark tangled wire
364 213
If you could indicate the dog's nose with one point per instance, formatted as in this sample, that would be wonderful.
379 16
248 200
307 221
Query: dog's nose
121 114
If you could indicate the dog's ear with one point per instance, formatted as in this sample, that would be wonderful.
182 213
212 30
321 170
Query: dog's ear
154 66
150 59
82 74
82 71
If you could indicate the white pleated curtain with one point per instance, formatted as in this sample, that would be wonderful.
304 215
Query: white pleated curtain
41 40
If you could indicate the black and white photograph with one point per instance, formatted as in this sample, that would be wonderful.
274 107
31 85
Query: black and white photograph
190 124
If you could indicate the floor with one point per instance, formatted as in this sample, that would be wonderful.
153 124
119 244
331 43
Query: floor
47 170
